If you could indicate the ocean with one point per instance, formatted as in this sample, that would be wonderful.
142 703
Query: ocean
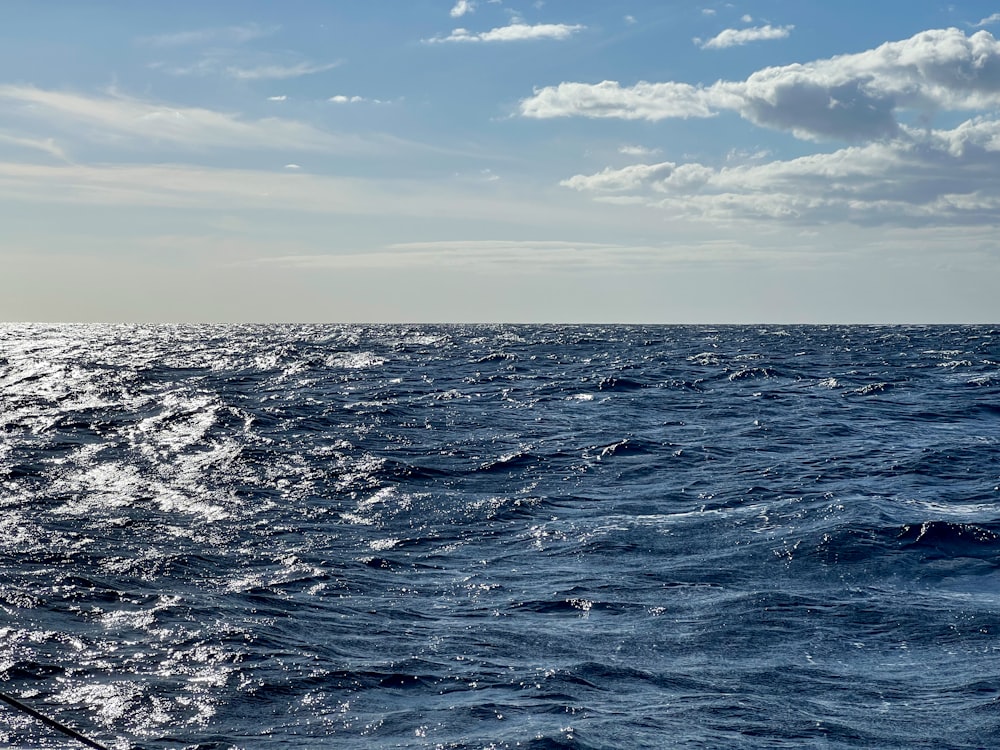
451 536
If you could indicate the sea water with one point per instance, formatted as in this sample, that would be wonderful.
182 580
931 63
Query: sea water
311 536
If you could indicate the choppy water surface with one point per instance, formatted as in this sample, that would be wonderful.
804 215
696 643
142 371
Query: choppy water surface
472 537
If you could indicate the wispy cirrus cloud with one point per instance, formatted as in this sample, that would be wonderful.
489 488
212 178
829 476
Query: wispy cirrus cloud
527 256
178 185
46 145
278 72
239 34
988 21
524 256
739 37
281 188
131 120
853 97
219 64
514 32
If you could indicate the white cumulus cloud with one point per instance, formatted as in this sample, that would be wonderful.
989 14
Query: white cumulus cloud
462 7
644 101
919 179
896 174
355 99
632 178
629 150
854 97
739 37
514 32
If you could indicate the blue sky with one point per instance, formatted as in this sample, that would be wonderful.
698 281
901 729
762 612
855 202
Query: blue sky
493 160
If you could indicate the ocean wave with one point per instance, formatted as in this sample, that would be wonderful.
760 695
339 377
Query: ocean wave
510 536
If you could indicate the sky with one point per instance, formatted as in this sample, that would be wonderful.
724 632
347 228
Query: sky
500 161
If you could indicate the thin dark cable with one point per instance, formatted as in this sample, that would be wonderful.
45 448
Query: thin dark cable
51 722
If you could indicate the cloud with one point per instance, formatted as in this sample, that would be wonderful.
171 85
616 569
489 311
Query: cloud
738 37
854 97
644 101
278 72
989 20
127 119
47 145
278 98
462 7
629 20
227 35
186 186
497 245
638 151
494 256
632 178
220 62
515 32
249 192
344 99
203 67
919 179
743 155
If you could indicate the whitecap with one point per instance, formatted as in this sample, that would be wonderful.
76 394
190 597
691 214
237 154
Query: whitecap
704 359
357 361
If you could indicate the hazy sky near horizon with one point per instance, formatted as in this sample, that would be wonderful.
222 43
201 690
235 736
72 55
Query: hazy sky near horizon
495 160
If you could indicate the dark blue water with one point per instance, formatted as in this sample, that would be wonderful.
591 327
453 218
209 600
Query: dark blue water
501 537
